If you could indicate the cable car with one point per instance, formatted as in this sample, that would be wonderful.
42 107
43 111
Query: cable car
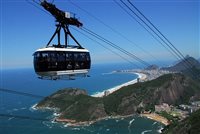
57 61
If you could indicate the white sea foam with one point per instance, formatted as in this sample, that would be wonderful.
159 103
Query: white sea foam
10 118
154 123
160 130
15 109
33 107
53 121
146 131
76 128
56 114
23 108
66 125
131 121
48 124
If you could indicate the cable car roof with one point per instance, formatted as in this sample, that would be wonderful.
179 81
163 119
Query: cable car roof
68 49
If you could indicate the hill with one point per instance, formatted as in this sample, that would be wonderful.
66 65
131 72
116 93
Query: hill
170 88
181 65
152 67
190 125
76 105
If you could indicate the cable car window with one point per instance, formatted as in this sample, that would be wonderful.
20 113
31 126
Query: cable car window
76 56
37 55
69 65
69 57
44 54
53 56
61 56
69 60
61 60
82 56
76 60
53 60
87 57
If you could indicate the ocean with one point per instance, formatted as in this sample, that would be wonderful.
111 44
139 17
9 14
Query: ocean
101 78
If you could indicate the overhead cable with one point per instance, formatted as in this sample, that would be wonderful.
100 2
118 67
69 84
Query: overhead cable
20 93
181 55
108 48
114 30
115 46
165 40
23 117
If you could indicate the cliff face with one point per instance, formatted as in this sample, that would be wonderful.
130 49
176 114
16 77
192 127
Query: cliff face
77 105
172 91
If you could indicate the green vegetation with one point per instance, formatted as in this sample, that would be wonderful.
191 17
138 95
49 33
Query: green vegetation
71 105
190 125
77 105
168 116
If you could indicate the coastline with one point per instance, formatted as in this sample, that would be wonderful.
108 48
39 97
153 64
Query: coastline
141 76
156 117
73 123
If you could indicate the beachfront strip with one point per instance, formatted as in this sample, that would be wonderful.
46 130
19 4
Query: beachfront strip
143 75
156 117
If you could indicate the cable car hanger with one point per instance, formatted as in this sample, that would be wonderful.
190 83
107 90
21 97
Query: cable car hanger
64 19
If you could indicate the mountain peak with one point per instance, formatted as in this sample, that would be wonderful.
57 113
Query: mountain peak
185 64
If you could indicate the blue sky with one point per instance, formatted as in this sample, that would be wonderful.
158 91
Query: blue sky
25 28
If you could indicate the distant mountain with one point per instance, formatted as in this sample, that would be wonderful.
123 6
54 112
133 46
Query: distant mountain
182 65
152 67
76 105
190 125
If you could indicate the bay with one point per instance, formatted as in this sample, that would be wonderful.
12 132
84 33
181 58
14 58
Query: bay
25 80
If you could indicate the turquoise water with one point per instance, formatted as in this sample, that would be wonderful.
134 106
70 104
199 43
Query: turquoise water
25 80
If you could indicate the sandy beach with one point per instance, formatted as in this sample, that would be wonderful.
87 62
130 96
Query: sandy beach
141 76
157 117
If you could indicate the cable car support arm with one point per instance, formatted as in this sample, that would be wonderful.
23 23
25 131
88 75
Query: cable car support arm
64 20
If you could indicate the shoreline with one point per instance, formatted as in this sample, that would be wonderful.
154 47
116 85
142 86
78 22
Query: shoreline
73 123
141 76
156 117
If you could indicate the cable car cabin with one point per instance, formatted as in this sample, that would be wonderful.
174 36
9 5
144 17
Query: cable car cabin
57 61
54 63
